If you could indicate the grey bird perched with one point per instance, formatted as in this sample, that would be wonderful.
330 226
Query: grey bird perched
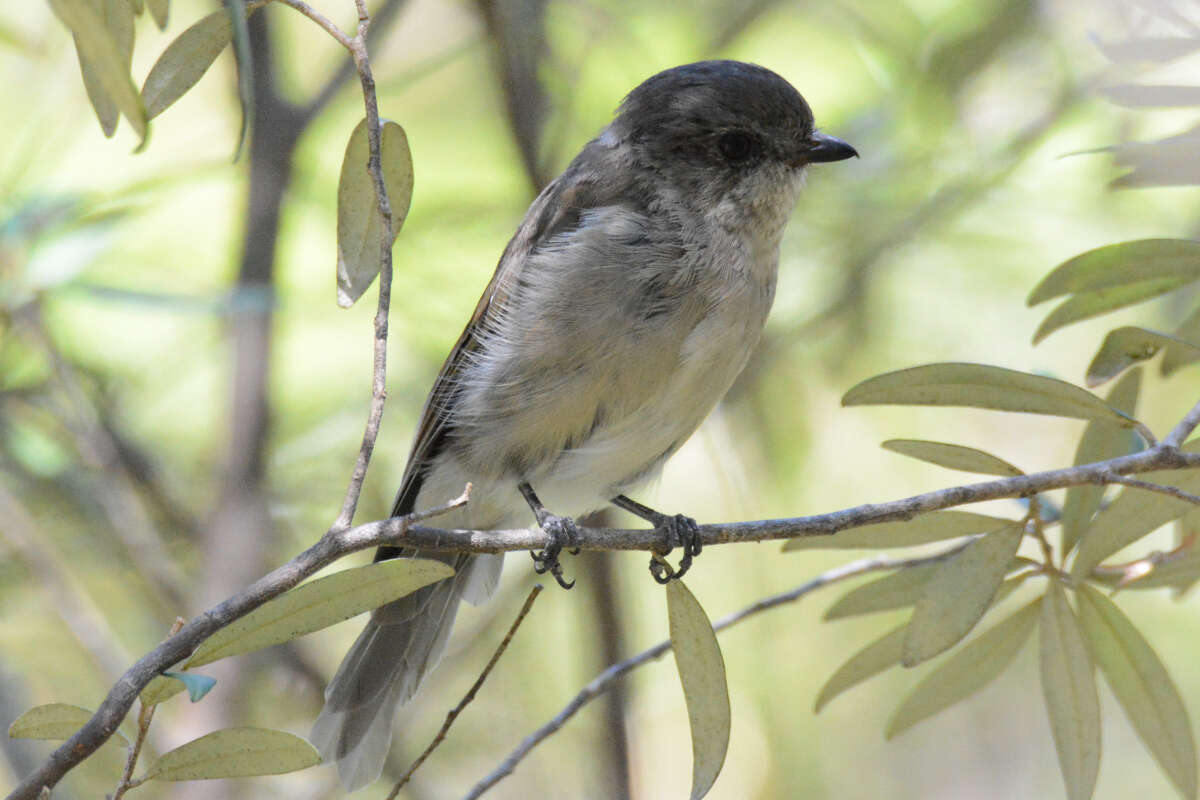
622 310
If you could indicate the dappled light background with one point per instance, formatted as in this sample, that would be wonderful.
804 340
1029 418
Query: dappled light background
116 283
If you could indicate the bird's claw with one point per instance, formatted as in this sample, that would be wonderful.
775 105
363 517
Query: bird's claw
562 533
682 531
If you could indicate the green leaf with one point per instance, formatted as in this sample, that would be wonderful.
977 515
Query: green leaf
319 604
197 685
1180 572
1121 264
958 593
1069 688
702 673
1177 356
879 655
977 664
902 588
360 226
185 61
1086 305
103 56
1142 686
1100 442
235 753
118 19
981 386
935 526
53 721
1134 514
952 456
159 10
161 689
1124 347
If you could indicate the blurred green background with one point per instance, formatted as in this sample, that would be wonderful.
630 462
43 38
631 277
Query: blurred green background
119 291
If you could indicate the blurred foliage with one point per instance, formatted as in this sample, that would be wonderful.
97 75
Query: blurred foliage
116 294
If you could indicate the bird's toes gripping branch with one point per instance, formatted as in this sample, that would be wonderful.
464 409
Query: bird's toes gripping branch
681 531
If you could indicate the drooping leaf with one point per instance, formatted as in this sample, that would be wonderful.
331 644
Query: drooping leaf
897 590
159 9
977 664
185 61
245 67
958 593
1148 49
1142 686
235 753
1069 689
319 604
1134 514
873 659
952 456
161 689
1086 305
981 386
935 526
118 19
197 685
1177 357
53 721
702 674
104 57
1124 347
1100 442
1122 264
360 226
1140 95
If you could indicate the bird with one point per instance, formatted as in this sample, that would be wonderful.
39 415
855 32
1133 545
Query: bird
621 311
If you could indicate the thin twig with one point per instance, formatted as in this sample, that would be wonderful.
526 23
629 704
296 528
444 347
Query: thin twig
1186 426
321 20
1161 488
605 679
470 695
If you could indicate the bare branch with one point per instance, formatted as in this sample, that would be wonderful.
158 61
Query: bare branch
1153 487
1186 426
321 20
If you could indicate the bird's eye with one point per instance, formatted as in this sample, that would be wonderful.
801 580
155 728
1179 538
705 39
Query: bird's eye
738 146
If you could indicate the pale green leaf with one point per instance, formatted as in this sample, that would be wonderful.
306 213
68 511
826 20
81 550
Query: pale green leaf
360 226
1100 442
319 604
1134 514
974 666
160 689
1121 265
958 593
159 9
235 753
935 526
53 721
1142 686
1069 689
1180 572
1124 347
185 61
1086 305
879 655
702 674
118 19
901 588
981 386
952 456
1176 356
104 57
138 6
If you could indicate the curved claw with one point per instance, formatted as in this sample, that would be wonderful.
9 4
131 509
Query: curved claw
682 531
562 533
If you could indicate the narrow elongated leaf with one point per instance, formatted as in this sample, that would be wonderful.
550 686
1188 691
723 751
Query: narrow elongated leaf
702 673
360 226
319 604
103 55
1149 49
160 689
1069 688
873 659
159 9
1141 95
1177 357
185 61
958 593
935 526
235 753
981 386
118 19
1086 305
53 721
1121 264
901 588
952 456
1124 347
1134 514
1100 442
1142 686
977 664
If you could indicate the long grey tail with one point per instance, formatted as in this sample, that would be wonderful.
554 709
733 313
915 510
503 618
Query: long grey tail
402 642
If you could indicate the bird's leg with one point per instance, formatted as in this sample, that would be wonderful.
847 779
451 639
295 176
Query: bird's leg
561 532
681 531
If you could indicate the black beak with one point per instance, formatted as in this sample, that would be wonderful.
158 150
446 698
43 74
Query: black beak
822 148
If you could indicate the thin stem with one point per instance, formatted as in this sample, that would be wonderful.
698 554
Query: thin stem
1154 487
470 695
319 18
145 717
1186 426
